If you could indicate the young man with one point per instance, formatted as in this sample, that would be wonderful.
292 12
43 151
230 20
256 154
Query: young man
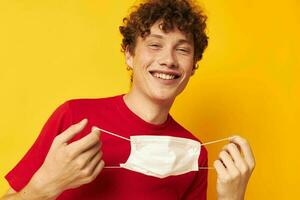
163 40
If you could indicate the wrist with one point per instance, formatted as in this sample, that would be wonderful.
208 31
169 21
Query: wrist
39 188
230 198
35 192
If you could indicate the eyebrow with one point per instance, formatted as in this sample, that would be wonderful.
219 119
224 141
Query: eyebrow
156 36
181 41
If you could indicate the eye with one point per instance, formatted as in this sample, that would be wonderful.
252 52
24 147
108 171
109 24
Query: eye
183 50
155 46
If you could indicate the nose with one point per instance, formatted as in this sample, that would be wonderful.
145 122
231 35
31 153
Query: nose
168 59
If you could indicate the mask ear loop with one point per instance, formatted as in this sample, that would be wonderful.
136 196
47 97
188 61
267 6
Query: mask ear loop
215 141
116 135
212 142
124 138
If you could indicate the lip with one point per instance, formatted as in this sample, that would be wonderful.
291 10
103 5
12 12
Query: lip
165 81
170 72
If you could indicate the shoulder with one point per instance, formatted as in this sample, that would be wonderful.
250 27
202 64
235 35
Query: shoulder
96 110
85 104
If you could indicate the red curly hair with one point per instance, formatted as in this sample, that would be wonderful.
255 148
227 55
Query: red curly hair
182 14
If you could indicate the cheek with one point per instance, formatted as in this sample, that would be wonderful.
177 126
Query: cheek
144 60
188 66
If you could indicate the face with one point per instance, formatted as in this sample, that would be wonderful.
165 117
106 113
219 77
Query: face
162 64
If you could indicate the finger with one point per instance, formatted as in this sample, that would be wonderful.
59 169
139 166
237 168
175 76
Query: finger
228 162
70 132
92 164
235 153
220 169
99 132
246 150
92 174
98 169
88 155
238 147
85 143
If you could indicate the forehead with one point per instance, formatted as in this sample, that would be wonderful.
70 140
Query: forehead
156 31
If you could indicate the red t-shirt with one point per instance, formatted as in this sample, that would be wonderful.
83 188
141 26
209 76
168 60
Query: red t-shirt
112 114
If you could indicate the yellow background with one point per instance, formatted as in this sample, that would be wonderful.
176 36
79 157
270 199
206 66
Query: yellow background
247 83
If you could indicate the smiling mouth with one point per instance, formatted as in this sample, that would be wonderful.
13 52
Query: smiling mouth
165 76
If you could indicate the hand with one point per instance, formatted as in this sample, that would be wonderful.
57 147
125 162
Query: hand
234 168
70 165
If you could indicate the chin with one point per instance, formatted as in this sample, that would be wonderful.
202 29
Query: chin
163 97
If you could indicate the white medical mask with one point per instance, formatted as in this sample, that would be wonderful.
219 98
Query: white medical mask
161 156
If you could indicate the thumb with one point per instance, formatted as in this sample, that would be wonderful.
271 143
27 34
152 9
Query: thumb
70 132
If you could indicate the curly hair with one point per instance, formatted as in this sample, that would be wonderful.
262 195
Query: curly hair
182 14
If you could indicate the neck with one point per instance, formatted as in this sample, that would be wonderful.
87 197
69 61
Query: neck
151 111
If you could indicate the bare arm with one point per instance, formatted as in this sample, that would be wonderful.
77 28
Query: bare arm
66 166
10 191
11 194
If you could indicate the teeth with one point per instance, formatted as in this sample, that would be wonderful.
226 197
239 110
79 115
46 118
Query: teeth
164 76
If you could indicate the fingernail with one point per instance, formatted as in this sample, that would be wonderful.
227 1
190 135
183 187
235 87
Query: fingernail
82 121
94 128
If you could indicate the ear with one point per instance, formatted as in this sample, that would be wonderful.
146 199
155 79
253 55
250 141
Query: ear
194 69
129 58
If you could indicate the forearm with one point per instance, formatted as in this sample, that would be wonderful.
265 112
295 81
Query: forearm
26 196
29 193
22 196
230 198
34 190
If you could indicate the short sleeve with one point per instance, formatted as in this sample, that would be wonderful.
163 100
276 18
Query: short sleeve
21 174
198 190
